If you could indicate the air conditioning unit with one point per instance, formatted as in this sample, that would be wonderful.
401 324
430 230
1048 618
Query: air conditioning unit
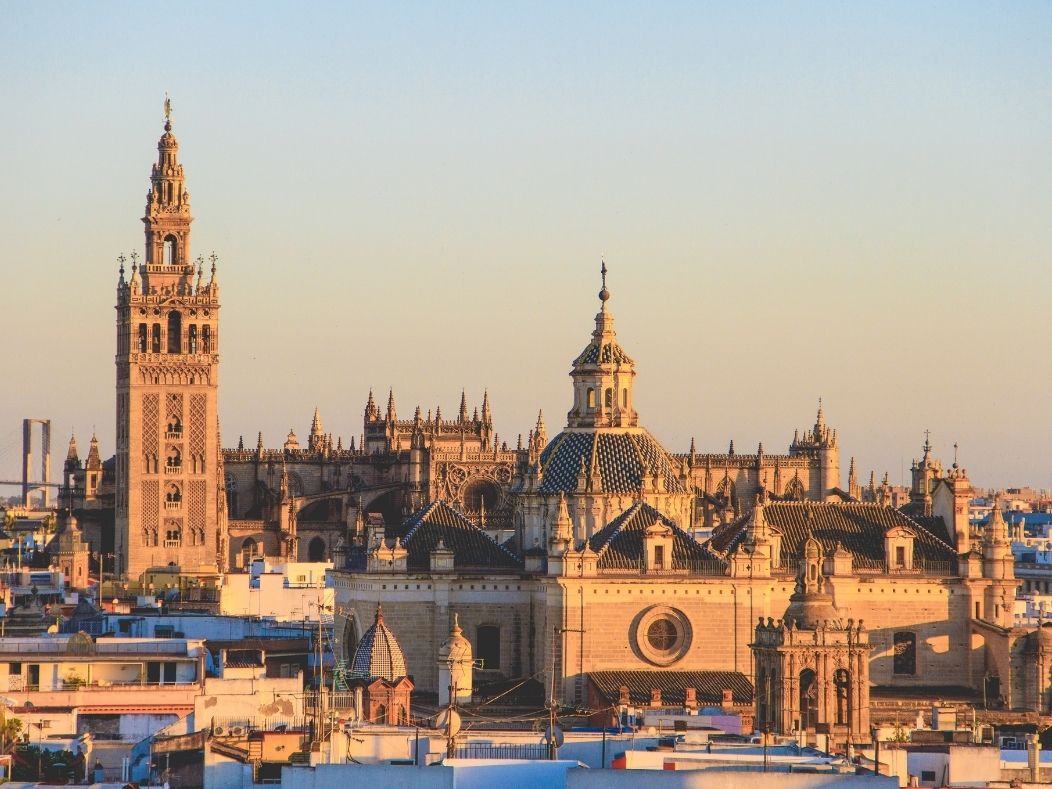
237 731
218 731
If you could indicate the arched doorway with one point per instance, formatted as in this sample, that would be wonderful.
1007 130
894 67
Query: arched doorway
316 550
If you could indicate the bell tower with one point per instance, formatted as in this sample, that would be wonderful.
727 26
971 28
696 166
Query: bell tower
169 507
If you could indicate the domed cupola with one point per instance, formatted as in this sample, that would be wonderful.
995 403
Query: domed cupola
378 654
602 376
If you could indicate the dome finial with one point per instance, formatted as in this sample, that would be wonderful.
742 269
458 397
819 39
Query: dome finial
167 112
604 294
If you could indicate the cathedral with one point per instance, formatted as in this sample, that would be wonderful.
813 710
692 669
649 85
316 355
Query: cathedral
595 550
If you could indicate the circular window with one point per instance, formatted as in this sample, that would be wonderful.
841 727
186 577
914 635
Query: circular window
662 635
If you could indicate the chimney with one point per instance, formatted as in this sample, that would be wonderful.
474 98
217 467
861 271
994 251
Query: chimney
728 699
655 697
691 702
623 698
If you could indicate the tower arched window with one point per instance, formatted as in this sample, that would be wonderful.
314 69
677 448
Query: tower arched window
624 398
175 332
591 397
249 549
174 459
192 339
143 331
608 398
170 255
206 339
155 344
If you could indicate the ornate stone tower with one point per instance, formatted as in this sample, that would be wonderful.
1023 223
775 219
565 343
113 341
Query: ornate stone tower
169 508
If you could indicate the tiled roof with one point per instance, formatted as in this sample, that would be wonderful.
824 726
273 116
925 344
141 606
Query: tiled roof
471 546
709 686
621 461
378 654
603 349
620 543
858 527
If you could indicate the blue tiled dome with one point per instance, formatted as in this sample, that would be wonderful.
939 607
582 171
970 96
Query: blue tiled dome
621 459
378 654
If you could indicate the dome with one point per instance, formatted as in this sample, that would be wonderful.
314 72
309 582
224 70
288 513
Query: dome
378 654
456 648
808 610
622 459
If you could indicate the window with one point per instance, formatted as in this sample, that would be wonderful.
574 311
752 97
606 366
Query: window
155 343
659 557
842 681
192 340
928 775
488 646
14 669
624 398
808 699
608 398
591 397
900 555
170 257
175 332
248 550
905 653
142 337
662 635
206 339
163 631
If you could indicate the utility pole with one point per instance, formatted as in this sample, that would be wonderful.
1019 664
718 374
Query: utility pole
554 734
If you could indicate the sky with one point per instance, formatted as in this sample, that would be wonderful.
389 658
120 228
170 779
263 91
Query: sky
795 200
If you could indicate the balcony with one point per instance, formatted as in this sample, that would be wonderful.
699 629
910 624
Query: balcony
173 543
174 469
173 505
174 435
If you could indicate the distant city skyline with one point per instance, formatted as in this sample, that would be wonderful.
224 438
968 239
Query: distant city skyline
799 202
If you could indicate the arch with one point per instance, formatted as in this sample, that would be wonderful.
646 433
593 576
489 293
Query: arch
173 493
174 458
249 550
608 398
155 340
173 536
904 660
316 550
175 424
230 485
479 493
192 339
487 646
143 337
808 700
381 714
206 339
794 489
591 397
624 397
170 250
175 332
351 637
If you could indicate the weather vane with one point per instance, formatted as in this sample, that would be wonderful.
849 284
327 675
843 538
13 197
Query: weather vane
603 272
167 108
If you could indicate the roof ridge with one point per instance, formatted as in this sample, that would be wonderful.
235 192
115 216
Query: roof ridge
419 518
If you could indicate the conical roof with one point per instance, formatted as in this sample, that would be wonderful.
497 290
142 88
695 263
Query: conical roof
378 654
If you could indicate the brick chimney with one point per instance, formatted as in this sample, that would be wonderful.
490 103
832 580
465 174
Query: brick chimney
655 697
623 698
728 699
691 702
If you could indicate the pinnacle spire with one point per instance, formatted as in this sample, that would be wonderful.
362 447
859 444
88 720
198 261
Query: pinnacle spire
315 425
463 406
71 455
392 414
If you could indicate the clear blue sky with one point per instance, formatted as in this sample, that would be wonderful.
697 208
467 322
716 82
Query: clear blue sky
841 200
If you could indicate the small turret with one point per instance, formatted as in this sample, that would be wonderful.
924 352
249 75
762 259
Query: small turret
372 413
392 414
462 418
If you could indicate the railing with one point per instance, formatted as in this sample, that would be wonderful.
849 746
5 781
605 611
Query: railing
172 543
690 567
177 469
174 435
501 751
172 505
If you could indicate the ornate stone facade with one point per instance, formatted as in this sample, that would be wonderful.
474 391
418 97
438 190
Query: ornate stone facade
168 503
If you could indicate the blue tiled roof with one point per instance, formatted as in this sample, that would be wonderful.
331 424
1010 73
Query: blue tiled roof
622 460
620 543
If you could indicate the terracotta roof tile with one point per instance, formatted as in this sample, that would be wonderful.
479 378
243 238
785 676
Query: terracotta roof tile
622 460
620 543
709 686
471 547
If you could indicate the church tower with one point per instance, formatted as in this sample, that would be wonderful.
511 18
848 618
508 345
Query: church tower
168 506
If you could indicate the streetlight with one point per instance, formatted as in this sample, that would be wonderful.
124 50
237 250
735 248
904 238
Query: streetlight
766 733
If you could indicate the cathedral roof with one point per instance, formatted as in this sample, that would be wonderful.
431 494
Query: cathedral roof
708 685
857 527
471 546
378 654
620 543
622 461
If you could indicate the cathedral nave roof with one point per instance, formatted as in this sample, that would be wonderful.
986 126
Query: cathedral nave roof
858 527
471 546
622 460
620 543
